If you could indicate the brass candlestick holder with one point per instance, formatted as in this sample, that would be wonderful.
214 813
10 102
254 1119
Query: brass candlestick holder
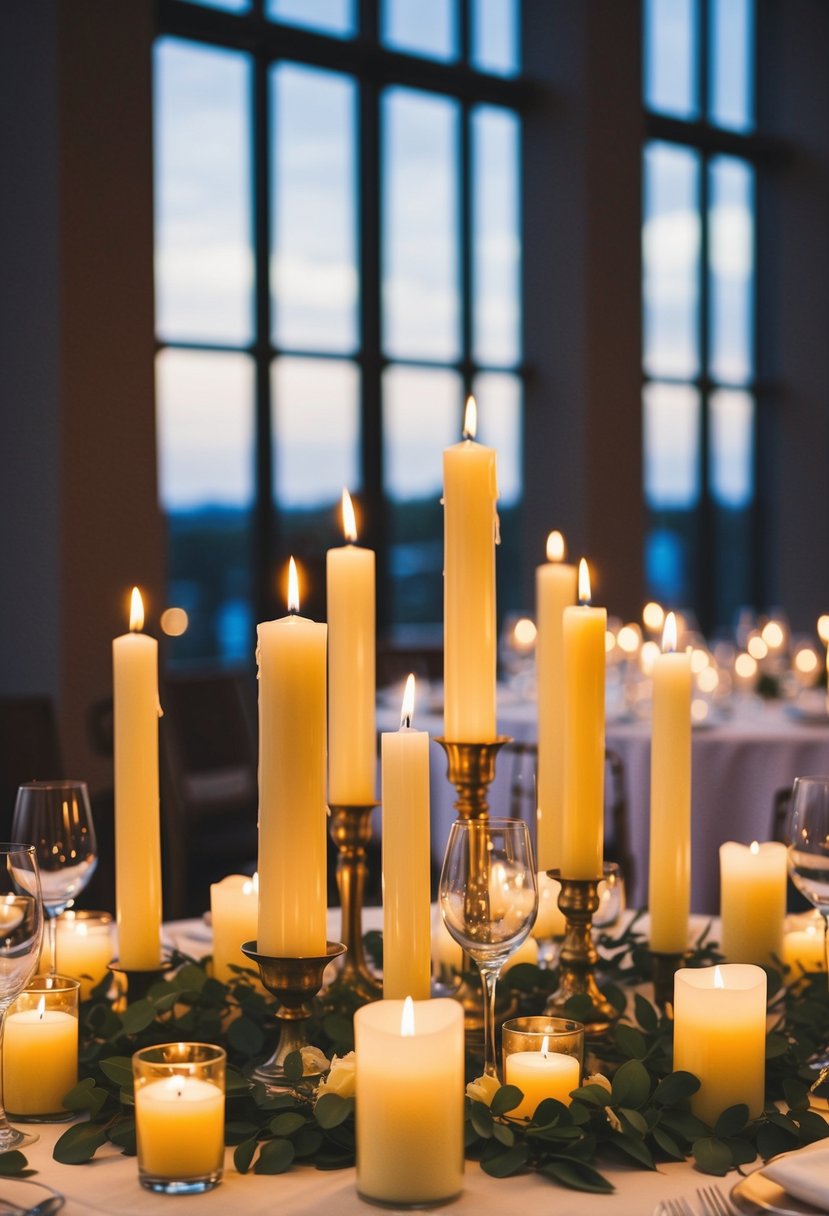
294 982
664 966
350 829
578 900
134 985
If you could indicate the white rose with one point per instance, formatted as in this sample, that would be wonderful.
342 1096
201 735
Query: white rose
340 1079
314 1061
598 1078
483 1089
613 1119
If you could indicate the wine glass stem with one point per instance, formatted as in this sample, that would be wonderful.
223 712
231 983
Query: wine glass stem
7 1134
489 978
52 941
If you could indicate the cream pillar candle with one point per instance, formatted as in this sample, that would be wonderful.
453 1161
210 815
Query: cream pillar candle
234 907
447 956
137 829
584 676
470 492
292 809
670 846
409 1101
179 1123
550 921
720 1036
84 947
753 901
40 1060
352 742
555 590
406 867
540 1075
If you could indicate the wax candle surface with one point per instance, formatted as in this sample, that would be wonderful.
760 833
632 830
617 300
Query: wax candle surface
137 830
804 948
292 808
352 754
540 1075
409 1102
527 952
407 962
40 1060
753 901
234 906
584 674
550 921
84 949
720 1036
180 1127
469 495
670 845
555 590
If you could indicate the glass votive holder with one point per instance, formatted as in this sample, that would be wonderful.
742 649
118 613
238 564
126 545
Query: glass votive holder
180 1116
40 1050
611 894
84 947
543 1058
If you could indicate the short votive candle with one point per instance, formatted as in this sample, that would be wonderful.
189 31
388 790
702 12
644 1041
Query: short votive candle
40 1049
84 947
179 1116
543 1058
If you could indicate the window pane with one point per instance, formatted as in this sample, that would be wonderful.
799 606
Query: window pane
731 269
671 445
731 102
671 57
326 16
732 447
230 6
671 255
496 240
421 306
314 274
495 36
422 27
500 422
421 416
316 431
204 264
205 433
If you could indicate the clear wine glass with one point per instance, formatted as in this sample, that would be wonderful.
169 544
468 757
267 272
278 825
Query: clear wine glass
488 900
807 838
55 816
21 935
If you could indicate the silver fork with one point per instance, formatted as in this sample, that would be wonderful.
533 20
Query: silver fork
677 1207
714 1202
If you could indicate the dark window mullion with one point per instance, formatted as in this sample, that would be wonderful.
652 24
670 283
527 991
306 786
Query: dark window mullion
265 515
465 246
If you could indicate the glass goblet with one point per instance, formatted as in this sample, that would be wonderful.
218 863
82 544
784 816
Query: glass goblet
488 900
55 816
21 935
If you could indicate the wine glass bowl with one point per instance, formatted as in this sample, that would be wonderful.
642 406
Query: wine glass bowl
21 933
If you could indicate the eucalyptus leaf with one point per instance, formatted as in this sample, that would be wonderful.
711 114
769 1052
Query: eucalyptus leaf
503 1134
630 1041
244 1153
633 1146
138 1016
307 1141
506 1099
12 1162
712 1155
287 1123
634 1119
675 1088
731 1121
506 1162
331 1110
122 1133
796 1093
275 1157
743 1151
646 1015
773 1139
292 1067
481 1119
119 1070
577 1176
79 1143
631 1084
668 1144
594 1095
245 1036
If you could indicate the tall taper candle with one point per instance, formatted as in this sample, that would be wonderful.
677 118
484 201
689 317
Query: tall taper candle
670 849
470 492
406 875
137 829
292 810
555 589
584 651
352 740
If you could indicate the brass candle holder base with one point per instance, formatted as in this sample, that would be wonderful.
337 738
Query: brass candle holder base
294 982
578 900
134 985
664 966
471 769
350 829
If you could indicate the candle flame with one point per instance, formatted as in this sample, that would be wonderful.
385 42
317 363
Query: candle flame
407 1023
470 418
41 1007
545 1046
81 929
251 887
349 520
136 611
754 848
584 583
555 547
669 634
718 979
293 587
407 712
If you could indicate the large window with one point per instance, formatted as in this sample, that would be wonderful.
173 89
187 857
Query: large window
700 403
338 265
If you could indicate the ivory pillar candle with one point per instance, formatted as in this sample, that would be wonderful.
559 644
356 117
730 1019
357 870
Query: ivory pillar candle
352 744
84 947
234 907
470 492
409 1101
720 1036
670 845
584 676
292 808
137 829
550 921
555 590
753 901
40 1048
406 860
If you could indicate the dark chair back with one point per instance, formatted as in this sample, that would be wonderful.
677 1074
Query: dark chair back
29 749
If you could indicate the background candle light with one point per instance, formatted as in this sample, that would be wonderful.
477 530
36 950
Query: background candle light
753 901
234 907
84 947
352 755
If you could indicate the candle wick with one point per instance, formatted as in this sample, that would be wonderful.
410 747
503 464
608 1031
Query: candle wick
406 722
292 611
